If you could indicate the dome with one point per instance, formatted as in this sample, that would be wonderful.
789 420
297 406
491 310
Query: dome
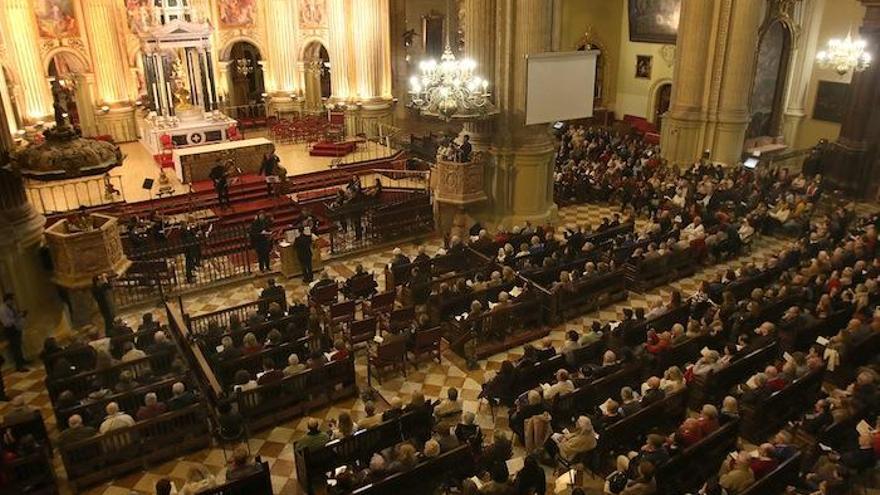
64 155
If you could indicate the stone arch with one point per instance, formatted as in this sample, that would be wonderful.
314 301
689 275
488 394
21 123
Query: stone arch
317 80
64 51
776 42
654 93
225 53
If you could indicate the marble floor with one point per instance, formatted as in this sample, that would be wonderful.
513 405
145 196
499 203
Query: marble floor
139 165
431 379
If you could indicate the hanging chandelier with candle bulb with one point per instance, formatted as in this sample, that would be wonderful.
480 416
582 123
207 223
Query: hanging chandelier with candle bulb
450 89
845 55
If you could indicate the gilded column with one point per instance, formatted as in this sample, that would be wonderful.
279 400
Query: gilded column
341 64
282 83
116 118
37 104
371 39
808 16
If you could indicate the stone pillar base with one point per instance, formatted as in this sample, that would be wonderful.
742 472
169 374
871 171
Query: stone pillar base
364 118
283 103
119 123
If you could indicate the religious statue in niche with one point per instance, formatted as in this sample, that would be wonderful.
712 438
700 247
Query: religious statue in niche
237 13
56 18
311 13
181 92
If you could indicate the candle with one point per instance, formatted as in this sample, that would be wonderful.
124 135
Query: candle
157 105
170 97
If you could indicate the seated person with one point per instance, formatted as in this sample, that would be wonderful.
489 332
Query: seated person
250 345
270 373
343 427
370 418
447 411
115 419
629 401
737 476
765 462
570 445
314 438
151 408
651 391
75 432
228 352
242 465
293 365
467 431
181 397
563 386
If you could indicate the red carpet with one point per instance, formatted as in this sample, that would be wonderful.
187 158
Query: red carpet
325 148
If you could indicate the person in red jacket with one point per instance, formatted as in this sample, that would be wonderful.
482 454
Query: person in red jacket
765 463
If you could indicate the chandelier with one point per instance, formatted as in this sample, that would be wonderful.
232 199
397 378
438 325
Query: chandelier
450 89
844 55
244 66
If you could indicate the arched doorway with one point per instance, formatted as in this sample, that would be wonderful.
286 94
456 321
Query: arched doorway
246 85
768 85
662 101
63 69
316 61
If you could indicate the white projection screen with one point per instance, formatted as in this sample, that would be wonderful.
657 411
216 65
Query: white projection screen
560 86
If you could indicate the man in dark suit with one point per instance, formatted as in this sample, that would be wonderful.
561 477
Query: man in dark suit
220 177
303 246
465 150
261 242
273 293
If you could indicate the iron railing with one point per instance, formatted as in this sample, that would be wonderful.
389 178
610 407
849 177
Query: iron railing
367 224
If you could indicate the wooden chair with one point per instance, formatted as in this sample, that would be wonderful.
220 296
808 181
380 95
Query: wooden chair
361 331
401 318
427 342
391 354
324 295
342 312
380 303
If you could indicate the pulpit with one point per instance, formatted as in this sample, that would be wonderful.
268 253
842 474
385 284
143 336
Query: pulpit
81 248
456 187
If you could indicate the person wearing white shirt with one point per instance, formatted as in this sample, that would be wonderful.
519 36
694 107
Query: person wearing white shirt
694 231
745 231
115 419
563 386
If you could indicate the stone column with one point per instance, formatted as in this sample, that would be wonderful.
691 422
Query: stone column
37 101
714 67
740 55
851 164
478 24
21 269
341 64
282 82
808 16
371 40
85 105
521 186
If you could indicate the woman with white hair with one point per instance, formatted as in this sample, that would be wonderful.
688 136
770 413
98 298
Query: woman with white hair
293 365
151 408
570 445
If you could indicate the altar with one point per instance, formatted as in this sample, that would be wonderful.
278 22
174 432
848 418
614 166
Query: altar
194 164
181 93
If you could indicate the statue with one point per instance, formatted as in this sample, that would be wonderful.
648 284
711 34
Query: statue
59 105
181 93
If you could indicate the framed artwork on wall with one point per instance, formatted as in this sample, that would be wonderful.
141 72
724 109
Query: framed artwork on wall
830 104
654 21
644 65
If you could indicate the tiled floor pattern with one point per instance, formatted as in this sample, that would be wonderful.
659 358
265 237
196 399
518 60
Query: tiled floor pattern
431 379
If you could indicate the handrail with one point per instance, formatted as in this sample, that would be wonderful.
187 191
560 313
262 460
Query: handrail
61 197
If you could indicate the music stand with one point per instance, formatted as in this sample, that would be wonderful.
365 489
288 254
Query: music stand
148 185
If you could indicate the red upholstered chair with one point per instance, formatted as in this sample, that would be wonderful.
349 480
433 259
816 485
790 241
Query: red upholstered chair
233 134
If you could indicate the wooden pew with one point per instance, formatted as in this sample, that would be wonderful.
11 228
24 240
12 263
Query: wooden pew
522 319
636 334
775 482
455 464
259 483
81 384
313 464
585 295
293 396
253 363
32 474
759 421
689 469
710 389
586 398
643 275
114 453
665 415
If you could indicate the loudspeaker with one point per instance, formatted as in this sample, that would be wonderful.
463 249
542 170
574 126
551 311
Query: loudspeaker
148 184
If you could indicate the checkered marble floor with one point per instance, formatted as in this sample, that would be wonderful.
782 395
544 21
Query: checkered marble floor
430 378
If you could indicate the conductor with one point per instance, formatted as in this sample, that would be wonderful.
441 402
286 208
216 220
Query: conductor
261 241
220 177
303 246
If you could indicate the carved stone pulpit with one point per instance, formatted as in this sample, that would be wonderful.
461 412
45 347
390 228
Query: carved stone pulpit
85 248
459 183
457 186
